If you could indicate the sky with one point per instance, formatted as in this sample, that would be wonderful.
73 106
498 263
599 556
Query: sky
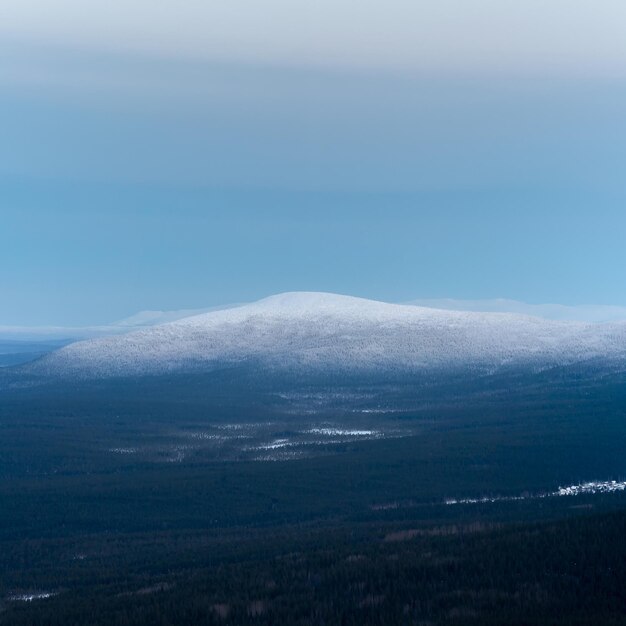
180 155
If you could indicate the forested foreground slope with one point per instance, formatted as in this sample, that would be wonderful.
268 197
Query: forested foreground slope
562 573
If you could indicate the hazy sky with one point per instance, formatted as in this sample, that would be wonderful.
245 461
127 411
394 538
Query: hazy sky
184 154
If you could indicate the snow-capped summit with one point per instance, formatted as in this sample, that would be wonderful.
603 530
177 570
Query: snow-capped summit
322 331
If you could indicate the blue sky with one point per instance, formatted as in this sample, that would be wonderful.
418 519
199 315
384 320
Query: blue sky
182 155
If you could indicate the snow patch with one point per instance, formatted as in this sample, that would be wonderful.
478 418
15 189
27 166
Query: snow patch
340 432
29 597
592 487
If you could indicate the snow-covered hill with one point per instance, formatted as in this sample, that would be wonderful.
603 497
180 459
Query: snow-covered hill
323 331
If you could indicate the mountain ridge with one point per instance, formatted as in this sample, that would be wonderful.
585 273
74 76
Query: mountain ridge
322 331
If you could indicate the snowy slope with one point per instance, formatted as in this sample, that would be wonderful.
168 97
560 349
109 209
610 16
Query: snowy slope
322 331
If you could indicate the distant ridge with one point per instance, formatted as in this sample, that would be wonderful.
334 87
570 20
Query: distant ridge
142 319
313 331
578 313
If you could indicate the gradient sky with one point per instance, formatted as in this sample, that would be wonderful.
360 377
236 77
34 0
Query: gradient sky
166 155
